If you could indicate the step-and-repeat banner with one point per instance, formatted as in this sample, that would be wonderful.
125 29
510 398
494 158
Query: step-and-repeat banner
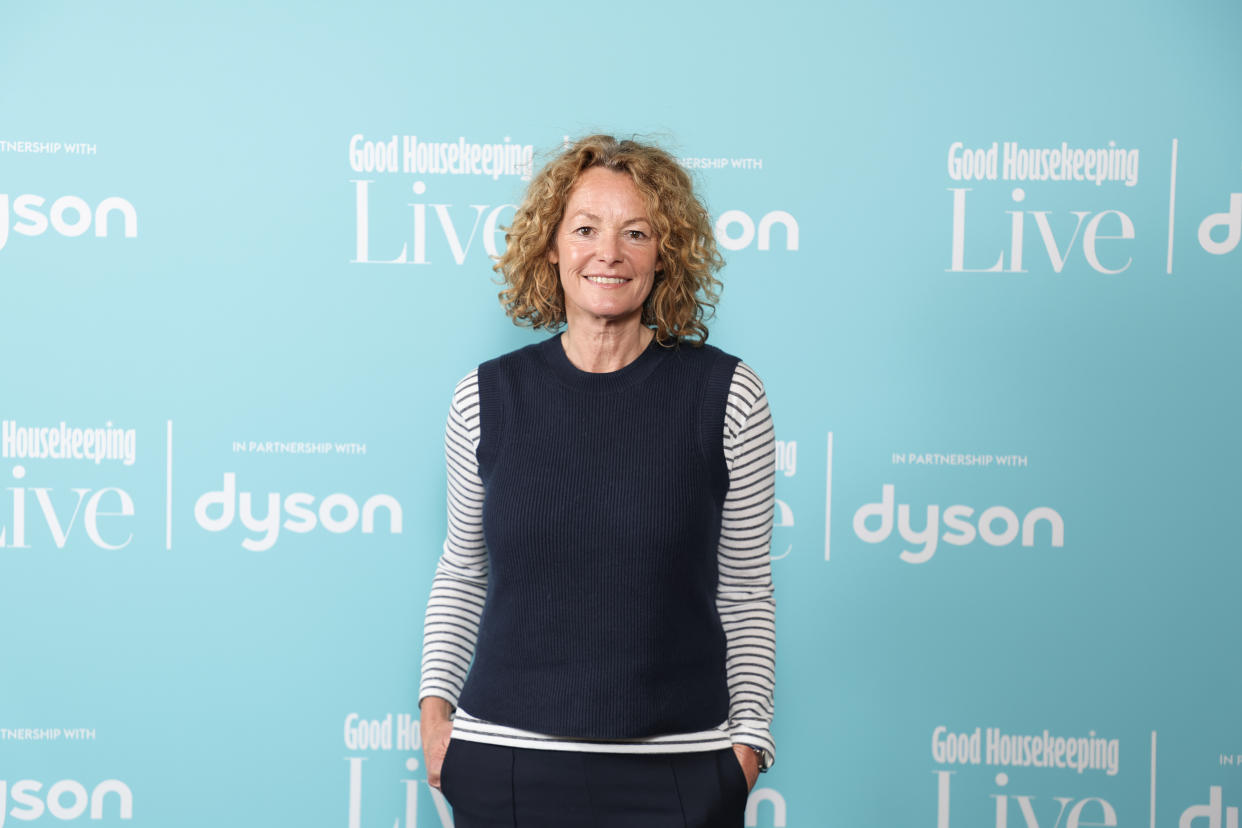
984 256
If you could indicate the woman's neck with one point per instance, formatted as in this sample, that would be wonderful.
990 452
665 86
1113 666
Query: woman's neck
599 349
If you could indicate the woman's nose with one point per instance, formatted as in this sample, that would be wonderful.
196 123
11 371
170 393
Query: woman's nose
608 249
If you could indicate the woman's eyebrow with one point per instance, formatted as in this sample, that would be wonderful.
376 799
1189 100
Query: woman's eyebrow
592 217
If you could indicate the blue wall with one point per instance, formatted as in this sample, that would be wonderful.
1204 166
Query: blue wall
985 257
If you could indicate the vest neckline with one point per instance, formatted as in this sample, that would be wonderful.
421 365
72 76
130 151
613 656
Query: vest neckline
554 355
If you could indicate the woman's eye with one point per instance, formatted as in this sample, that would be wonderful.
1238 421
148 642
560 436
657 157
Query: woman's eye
582 231
637 234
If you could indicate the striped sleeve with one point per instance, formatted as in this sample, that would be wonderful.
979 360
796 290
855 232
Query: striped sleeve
744 595
451 625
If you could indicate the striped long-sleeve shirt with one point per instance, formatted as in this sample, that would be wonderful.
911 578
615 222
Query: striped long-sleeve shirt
744 596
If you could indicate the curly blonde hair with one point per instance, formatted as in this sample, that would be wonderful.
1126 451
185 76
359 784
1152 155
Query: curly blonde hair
685 291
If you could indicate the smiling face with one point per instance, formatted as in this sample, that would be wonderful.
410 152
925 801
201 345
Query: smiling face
605 250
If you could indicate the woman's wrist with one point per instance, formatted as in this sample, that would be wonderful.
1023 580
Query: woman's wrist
434 709
761 755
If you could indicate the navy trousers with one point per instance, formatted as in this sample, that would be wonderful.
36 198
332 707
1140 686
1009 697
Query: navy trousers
491 786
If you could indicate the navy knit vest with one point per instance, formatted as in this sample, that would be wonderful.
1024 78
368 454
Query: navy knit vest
603 495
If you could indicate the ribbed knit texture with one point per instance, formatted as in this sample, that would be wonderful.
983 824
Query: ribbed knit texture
602 518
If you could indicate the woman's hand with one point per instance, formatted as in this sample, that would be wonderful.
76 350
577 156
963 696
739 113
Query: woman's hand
750 764
436 727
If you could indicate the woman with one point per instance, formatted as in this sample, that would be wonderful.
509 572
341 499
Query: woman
610 500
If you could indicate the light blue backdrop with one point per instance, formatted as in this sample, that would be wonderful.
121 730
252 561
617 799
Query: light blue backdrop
181 270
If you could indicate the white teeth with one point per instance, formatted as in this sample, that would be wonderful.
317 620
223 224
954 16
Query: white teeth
606 280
